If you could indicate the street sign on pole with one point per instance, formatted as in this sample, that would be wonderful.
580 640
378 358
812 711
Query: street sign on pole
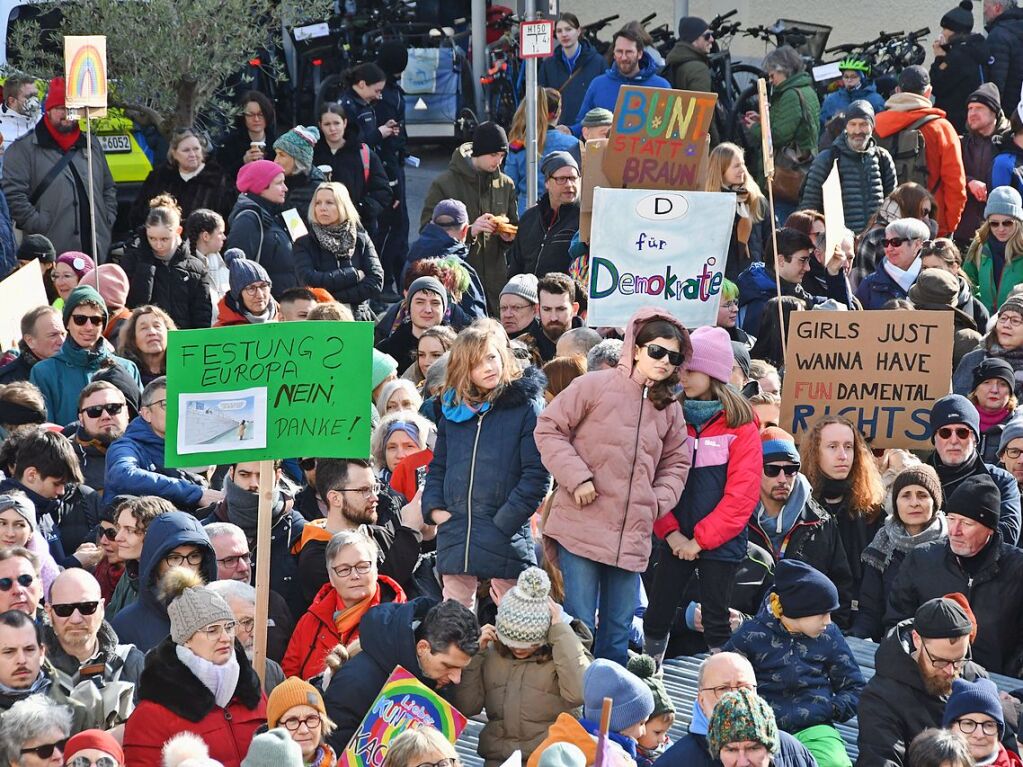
536 39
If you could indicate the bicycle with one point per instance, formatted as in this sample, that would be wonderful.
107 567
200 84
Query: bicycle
734 83
500 95
589 34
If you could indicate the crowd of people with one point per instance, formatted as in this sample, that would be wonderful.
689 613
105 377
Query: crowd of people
550 511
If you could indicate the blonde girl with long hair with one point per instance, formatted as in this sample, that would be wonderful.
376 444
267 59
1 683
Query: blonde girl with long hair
727 172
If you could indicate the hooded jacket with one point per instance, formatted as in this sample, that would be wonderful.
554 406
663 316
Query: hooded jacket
317 267
482 193
435 242
603 91
1005 45
144 623
965 63
541 246
487 473
603 429
180 286
946 178
690 71
895 706
135 467
555 71
1007 168
838 101
256 227
979 154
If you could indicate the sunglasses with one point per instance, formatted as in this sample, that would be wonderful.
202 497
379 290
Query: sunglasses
46 751
659 352
95 411
84 761
895 242
946 432
773 470
108 532
24 580
81 320
708 35
1000 224
66 610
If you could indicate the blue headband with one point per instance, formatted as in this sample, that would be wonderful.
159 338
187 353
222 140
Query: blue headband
406 426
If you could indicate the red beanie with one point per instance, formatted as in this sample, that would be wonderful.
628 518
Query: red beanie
97 739
55 94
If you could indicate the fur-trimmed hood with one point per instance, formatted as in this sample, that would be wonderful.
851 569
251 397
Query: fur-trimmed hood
522 390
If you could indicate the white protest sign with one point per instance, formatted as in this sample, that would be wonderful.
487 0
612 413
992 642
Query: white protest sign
21 292
661 249
834 213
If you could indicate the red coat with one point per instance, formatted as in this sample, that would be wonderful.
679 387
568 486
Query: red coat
228 314
173 700
316 633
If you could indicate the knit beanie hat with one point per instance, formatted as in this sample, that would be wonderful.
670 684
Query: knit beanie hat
555 161
954 409
299 143
242 273
37 246
960 18
1013 430
712 353
941 618
113 284
523 286
194 608
936 287
274 748
690 28
101 740
524 614
1012 304
1004 201
632 701
597 117
79 262
987 95
488 138
741 715
645 667
255 177
803 590
920 475
742 358
81 294
56 94
778 445
428 283
562 755
860 109
994 367
977 498
383 366
22 505
293 691
977 697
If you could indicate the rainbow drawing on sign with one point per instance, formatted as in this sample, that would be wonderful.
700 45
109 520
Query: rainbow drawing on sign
87 75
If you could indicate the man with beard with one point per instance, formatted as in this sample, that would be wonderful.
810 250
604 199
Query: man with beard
102 418
56 204
84 651
355 499
559 311
915 666
241 598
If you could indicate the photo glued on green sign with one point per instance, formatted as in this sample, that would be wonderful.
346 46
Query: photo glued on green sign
262 392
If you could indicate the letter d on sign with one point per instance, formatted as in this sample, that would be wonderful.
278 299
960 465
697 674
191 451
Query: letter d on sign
662 206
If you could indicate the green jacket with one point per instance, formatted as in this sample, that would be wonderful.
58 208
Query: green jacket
792 121
689 70
990 295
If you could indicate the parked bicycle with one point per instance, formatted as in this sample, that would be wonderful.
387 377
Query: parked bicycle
735 83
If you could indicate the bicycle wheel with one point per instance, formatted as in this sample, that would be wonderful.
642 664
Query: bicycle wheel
501 102
747 101
745 75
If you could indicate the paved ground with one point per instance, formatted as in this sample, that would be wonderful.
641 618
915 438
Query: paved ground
433 160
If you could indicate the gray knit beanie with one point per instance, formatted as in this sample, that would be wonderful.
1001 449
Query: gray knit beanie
196 608
18 501
273 748
524 615
243 272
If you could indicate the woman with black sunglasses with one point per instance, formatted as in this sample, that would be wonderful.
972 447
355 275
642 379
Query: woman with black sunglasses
93 748
34 732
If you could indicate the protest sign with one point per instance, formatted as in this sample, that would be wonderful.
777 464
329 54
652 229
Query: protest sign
20 293
276 390
766 140
834 213
659 138
85 73
403 702
661 249
593 176
882 370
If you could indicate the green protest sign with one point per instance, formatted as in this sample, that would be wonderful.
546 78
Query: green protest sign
277 390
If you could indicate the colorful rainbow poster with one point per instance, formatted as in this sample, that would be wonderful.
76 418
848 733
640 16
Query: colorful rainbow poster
403 702
85 72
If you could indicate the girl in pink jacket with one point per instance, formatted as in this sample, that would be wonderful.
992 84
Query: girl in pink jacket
615 441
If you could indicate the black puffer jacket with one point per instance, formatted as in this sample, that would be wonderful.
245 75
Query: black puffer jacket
957 74
210 188
1005 44
541 245
319 268
867 178
181 286
257 228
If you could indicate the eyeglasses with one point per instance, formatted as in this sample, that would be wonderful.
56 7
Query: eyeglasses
84 761
961 432
941 663
366 492
254 288
343 571
307 464
773 470
1012 453
515 307
108 532
214 630
66 610
158 403
657 352
968 726
441 763
24 580
46 751
176 560
896 242
82 319
311 722
232 561
1012 320
247 624
721 689
562 180
1004 223
95 411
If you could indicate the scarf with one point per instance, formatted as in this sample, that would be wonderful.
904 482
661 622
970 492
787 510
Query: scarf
346 620
699 724
833 488
337 239
221 680
41 684
64 140
243 507
698 412
324 757
27 354
893 537
952 476
904 278
997 251
989 419
744 217
1013 356
460 411
269 315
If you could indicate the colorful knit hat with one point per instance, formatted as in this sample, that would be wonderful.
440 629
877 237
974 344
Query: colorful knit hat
299 143
741 715
524 615
645 668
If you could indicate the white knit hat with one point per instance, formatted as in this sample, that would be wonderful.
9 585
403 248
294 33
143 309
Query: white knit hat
524 615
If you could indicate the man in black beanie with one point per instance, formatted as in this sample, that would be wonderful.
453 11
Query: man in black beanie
987 133
687 65
975 561
915 666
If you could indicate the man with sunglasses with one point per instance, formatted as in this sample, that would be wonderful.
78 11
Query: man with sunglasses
546 229
102 418
915 666
689 62
21 588
62 377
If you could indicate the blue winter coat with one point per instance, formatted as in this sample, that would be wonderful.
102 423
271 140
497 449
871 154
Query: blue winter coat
515 164
554 71
144 623
808 681
878 288
62 377
757 287
838 101
486 471
434 242
603 91
134 467
1007 169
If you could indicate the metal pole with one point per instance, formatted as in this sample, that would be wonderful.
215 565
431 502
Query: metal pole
479 50
681 10
530 117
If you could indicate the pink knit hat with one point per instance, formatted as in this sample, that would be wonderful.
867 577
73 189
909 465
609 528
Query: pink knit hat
113 284
256 176
712 353
78 261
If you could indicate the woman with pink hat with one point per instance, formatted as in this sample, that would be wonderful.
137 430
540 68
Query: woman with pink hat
67 273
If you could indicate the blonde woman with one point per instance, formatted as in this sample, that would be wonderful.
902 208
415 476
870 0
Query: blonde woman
338 254
419 746
727 172
994 262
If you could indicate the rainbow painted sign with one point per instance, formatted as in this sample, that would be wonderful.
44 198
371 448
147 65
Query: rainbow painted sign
85 71
403 702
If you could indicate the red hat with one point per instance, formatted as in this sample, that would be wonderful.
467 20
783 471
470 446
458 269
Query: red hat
97 739
56 94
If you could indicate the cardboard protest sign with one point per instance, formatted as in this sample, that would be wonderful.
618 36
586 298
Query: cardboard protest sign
275 390
834 212
593 176
20 293
660 249
880 369
403 702
85 73
658 138
766 140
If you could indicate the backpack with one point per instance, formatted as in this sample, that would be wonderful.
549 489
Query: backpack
908 149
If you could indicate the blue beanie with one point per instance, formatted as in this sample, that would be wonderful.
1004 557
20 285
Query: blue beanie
979 697
803 590
778 445
243 273
955 409
632 701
